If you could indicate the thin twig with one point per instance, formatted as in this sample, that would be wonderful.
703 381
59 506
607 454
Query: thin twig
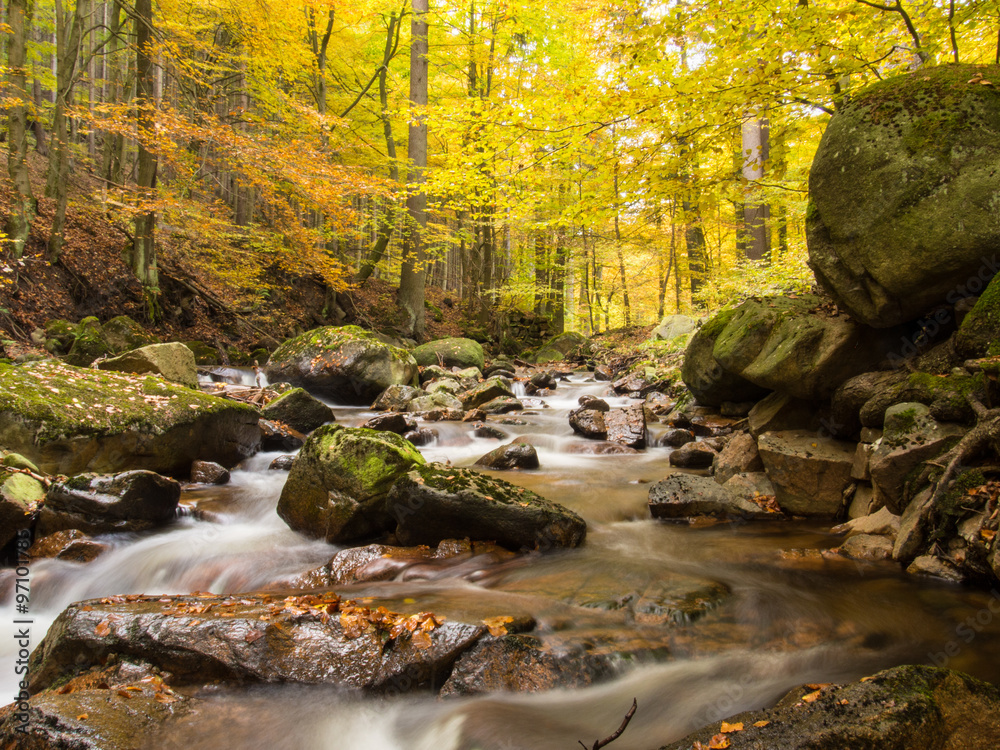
608 740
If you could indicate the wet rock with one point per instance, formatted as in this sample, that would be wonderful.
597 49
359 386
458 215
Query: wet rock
738 456
627 426
432 503
391 422
300 411
631 386
897 709
451 387
485 392
659 403
277 436
749 485
499 366
675 437
713 425
396 398
913 526
421 437
932 566
502 405
346 363
672 327
434 401
70 544
736 409
379 562
245 639
891 169
68 420
809 472
522 664
172 361
511 456
474 415
450 352
867 547
600 448
337 487
912 436
99 504
588 422
693 456
282 463
603 373
208 472
124 334
683 496
542 380
110 714
489 431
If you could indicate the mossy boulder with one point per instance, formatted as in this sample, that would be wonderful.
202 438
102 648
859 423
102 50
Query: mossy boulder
345 363
709 381
486 391
436 502
89 343
451 352
59 336
204 354
69 420
564 346
300 411
174 362
20 496
979 334
903 193
673 327
124 334
337 487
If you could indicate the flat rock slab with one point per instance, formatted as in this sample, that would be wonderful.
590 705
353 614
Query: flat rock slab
683 496
246 638
809 472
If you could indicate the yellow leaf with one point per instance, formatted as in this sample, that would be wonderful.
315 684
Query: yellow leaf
718 742
761 723
812 697
497 625
727 728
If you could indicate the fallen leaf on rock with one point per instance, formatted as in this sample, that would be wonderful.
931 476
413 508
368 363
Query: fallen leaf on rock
82 717
727 728
817 685
718 742
103 628
812 697
761 723
497 625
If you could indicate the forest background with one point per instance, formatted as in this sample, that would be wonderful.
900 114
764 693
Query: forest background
597 162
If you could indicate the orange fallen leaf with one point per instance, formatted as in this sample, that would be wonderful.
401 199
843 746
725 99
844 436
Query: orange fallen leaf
103 628
497 625
718 742
82 717
727 728
818 685
812 697
761 723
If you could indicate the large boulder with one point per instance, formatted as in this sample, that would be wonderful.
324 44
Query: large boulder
124 334
300 411
337 487
95 504
486 391
627 426
70 420
797 347
902 213
898 709
673 326
452 352
20 496
173 361
437 502
809 472
346 363
251 638
708 380
979 333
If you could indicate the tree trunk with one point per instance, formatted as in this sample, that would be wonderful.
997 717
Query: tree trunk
114 144
142 258
756 213
69 34
25 206
412 273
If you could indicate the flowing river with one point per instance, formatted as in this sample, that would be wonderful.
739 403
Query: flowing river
700 622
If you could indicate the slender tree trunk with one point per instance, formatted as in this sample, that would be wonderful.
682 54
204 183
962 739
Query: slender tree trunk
142 258
114 143
25 207
756 213
412 273
69 34
620 252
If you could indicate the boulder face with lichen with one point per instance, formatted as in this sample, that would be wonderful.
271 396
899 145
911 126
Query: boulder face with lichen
69 420
903 194
344 363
